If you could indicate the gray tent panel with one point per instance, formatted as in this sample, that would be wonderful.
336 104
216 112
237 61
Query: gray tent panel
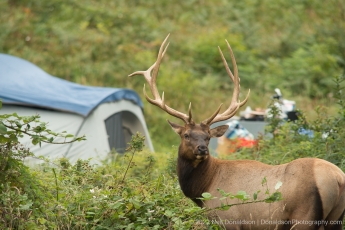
115 131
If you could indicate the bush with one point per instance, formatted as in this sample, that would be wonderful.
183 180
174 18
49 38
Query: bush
59 195
129 193
22 196
321 138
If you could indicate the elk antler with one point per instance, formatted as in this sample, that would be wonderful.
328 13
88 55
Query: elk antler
235 103
151 80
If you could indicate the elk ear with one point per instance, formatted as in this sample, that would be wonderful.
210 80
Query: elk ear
219 131
177 128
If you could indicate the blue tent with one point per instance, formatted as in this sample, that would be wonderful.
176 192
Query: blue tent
23 83
107 116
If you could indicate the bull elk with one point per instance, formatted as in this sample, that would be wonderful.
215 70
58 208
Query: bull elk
312 189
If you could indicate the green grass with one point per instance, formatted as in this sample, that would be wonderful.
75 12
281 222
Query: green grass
296 46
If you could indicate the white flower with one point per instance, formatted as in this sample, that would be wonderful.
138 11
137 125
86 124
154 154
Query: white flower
92 190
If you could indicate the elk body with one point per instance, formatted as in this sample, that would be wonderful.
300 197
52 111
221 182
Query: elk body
312 189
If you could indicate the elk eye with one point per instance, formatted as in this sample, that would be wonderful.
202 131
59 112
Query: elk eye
186 136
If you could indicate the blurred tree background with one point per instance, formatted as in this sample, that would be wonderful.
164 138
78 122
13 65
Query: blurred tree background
297 46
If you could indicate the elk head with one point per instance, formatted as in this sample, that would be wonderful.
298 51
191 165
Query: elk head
194 137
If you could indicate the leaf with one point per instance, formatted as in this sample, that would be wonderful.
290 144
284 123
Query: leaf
242 195
278 185
35 140
51 132
37 129
25 206
116 205
255 195
224 194
136 204
193 209
18 124
3 129
83 138
13 138
207 196
221 191
224 207
41 221
276 196
3 139
264 181
168 213
130 226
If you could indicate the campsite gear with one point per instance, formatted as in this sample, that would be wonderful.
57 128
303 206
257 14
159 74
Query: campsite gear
286 108
235 138
236 130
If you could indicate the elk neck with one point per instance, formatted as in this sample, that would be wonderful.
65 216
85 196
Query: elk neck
195 180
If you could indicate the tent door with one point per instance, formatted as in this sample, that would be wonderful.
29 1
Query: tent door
118 134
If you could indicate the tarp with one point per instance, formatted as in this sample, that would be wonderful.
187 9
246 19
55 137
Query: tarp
31 86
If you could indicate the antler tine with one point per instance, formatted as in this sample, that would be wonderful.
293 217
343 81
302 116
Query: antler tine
225 62
190 120
154 67
151 80
160 56
235 103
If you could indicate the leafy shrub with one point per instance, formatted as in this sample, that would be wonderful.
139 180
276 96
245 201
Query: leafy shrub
128 193
22 196
59 195
321 138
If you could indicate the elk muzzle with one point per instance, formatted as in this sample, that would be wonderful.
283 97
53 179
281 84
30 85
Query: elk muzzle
202 152
202 149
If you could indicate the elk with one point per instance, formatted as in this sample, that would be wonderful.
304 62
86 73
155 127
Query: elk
312 189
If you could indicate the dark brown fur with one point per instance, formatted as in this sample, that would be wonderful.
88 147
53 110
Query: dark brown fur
194 181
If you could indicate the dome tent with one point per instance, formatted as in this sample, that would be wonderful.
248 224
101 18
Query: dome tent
106 116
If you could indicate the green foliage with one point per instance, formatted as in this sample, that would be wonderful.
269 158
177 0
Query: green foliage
128 193
81 196
13 127
295 45
21 194
242 197
321 138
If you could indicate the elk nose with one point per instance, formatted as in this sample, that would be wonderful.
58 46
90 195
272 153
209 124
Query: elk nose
202 149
